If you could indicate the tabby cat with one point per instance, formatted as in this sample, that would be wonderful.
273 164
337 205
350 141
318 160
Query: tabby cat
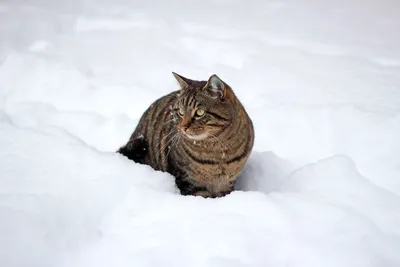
201 134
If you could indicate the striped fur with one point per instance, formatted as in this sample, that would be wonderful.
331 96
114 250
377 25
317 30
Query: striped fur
205 154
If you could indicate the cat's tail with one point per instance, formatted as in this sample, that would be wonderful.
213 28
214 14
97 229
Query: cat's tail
136 149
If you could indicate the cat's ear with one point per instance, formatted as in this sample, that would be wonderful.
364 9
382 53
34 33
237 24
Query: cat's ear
216 86
183 82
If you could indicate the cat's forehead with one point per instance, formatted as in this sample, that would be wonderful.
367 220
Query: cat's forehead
194 89
190 95
198 84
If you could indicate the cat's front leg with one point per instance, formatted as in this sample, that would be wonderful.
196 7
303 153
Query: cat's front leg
207 194
203 193
187 188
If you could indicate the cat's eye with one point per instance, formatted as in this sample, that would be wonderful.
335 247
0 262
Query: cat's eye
181 111
200 112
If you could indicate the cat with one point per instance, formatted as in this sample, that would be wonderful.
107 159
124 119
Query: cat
201 134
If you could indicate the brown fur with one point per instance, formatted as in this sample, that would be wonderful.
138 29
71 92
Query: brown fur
163 139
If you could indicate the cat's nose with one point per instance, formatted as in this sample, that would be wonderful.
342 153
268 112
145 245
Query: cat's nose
184 127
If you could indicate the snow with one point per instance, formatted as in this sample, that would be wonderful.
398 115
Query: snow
319 79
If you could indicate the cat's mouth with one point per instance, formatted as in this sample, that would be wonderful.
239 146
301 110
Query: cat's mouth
196 137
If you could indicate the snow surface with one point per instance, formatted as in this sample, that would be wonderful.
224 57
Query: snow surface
321 80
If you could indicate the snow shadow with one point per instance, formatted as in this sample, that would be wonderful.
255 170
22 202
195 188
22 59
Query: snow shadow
264 172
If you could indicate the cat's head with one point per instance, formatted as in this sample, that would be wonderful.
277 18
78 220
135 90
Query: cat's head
204 109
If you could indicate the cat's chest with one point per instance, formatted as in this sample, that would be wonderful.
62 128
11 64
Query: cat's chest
204 162
211 155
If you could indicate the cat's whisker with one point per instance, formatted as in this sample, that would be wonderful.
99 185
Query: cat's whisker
166 143
176 139
221 141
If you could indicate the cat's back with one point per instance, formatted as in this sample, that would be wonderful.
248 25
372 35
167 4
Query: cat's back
155 128
158 111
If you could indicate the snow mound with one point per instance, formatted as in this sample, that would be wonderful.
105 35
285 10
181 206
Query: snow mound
319 80
55 190
301 225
